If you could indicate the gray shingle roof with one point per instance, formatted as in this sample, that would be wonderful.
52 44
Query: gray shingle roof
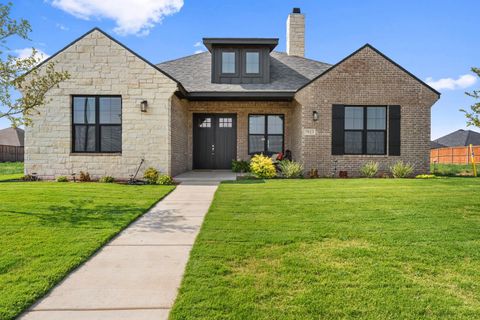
287 73
12 137
460 138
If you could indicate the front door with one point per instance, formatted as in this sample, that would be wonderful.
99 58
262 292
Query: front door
214 140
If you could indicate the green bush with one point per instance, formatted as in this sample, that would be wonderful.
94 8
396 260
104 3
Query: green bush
262 167
369 169
291 169
62 179
29 177
106 179
240 166
84 177
151 175
165 180
401 169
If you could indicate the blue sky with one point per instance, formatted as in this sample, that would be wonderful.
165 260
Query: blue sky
432 39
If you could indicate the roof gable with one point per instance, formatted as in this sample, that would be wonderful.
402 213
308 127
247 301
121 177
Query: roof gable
96 29
380 54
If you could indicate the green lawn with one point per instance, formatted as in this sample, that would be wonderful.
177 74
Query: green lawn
441 169
337 249
49 228
11 170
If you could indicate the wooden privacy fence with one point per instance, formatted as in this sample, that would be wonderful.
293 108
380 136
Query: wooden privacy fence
454 155
11 153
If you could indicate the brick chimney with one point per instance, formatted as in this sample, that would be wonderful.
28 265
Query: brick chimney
296 33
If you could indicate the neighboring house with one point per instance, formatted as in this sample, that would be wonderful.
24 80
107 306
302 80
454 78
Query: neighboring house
12 137
238 99
459 138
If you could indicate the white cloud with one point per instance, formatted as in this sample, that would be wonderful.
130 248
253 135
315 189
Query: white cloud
27 52
131 16
199 51
62 27
462 82
197 44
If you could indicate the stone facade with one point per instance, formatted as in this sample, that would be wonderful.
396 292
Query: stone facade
296 34
100 66
365 78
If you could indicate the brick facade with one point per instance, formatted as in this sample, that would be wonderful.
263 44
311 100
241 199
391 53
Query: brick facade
366 78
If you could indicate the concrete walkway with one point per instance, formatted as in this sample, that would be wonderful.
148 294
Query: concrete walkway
137 274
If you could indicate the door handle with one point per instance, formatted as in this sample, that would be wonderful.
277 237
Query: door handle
213 149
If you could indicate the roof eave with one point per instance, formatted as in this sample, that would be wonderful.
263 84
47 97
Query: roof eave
241 96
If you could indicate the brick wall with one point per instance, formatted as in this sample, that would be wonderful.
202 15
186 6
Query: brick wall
242 109
366 78
98 65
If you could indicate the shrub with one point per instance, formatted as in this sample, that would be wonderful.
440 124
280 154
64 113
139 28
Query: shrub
106 179
62 179
425 176
240 166
151 175
291 169
84 177
262 167
401 169
29 177
369 169
165 180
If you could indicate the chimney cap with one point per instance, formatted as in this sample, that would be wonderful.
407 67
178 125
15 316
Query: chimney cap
296 10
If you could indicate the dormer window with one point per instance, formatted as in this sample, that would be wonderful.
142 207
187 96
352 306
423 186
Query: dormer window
228 62
240 60
252 62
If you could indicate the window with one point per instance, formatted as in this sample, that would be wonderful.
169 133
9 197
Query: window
225 122
265 134
97 124
228 62
365 130
205 123
252 62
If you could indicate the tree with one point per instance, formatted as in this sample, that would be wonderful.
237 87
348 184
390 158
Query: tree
21 73
473 116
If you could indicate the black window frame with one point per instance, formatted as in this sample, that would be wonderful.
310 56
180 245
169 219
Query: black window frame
260 64
98 126
236 63
365 131
265 133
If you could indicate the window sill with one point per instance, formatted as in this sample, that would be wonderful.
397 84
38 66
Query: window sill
102 154
363 155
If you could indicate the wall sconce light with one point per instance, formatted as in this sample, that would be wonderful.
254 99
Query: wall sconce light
143 106
315 115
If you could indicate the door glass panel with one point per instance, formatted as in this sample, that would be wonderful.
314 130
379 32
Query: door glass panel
205 122
256 124
225 122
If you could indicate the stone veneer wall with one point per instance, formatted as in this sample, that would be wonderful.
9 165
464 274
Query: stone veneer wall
366 78
242 109
98 66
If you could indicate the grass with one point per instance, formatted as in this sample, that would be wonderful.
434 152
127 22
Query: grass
49 228
11 170
452 170
337 249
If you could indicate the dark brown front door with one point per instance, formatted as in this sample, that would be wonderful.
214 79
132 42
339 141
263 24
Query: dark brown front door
214 140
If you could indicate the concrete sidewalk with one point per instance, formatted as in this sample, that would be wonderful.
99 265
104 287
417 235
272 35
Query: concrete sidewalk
137 274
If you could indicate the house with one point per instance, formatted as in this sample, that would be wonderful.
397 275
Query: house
239 98
459 138
12 137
